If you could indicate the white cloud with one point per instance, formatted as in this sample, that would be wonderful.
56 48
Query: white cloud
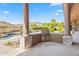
59 10
57 14
55 4
36 8
6 12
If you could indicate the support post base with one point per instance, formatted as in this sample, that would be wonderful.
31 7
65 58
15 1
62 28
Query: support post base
25 42
67 40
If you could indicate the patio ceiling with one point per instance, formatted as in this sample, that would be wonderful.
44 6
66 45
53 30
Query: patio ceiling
74 15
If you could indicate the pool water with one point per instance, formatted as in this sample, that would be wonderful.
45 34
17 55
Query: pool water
7 37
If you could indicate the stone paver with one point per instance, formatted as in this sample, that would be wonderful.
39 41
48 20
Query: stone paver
52 49
5 50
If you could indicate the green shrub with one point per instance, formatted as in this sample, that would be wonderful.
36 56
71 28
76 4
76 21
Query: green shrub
51 30
44 27
8 43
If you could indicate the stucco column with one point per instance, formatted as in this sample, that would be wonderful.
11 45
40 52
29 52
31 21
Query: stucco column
25 41
67 39
26 20
67 19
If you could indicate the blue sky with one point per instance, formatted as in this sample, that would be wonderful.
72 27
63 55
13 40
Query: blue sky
38 12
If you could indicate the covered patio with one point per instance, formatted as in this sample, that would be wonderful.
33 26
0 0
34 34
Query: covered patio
46 43
32 39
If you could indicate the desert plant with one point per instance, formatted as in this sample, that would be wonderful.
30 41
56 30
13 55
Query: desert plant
8 43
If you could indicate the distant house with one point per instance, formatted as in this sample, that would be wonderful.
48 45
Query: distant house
1 33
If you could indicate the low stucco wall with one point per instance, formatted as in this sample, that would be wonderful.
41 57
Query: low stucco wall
36 38
56 37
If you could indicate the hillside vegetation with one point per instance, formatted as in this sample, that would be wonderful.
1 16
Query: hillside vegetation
53 26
